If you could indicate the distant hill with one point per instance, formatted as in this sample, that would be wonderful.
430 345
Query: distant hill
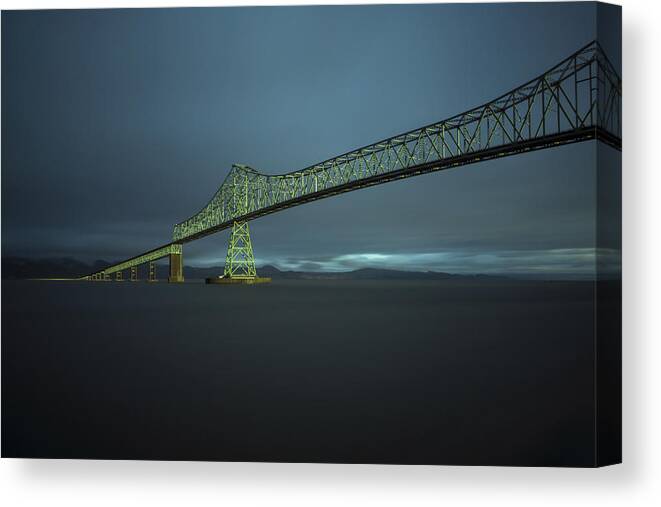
16 268
368 274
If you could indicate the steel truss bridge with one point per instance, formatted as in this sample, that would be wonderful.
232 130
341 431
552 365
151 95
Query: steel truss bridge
577 100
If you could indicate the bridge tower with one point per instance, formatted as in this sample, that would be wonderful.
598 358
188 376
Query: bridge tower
240 261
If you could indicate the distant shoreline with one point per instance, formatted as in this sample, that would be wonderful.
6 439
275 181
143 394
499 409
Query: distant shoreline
66 269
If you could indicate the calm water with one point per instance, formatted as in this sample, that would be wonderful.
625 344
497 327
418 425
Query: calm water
346 371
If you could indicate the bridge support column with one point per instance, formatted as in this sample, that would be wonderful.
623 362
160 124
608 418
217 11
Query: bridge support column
134 273
240 261
106 276
118 276
176 267
152 273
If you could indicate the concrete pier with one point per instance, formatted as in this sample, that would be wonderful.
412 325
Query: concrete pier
176 268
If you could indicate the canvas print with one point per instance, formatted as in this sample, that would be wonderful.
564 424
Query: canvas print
383 234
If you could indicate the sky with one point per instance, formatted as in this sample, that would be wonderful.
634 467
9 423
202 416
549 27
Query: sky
117 124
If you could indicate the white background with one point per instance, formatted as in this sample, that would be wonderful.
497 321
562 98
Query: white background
636 482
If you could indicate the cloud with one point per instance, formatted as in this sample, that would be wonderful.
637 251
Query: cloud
572 262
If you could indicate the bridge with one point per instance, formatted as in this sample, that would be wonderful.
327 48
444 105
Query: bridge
577 100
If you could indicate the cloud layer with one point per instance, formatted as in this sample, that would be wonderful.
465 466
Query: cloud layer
568 263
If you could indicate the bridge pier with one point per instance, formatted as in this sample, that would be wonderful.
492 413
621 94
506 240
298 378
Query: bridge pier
152 273
106 276
134 273
176 267
118 276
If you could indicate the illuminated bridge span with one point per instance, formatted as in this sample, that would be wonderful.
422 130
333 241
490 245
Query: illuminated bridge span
577 100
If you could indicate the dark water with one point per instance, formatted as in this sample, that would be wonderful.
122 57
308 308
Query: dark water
347 371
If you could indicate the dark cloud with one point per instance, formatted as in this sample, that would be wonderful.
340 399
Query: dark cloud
116 124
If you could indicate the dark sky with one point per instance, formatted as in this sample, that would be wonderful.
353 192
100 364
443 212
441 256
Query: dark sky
116 124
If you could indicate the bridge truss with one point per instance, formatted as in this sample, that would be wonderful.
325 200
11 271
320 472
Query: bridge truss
577 100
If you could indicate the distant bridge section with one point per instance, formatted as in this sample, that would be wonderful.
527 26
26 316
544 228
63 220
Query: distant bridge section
172 251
